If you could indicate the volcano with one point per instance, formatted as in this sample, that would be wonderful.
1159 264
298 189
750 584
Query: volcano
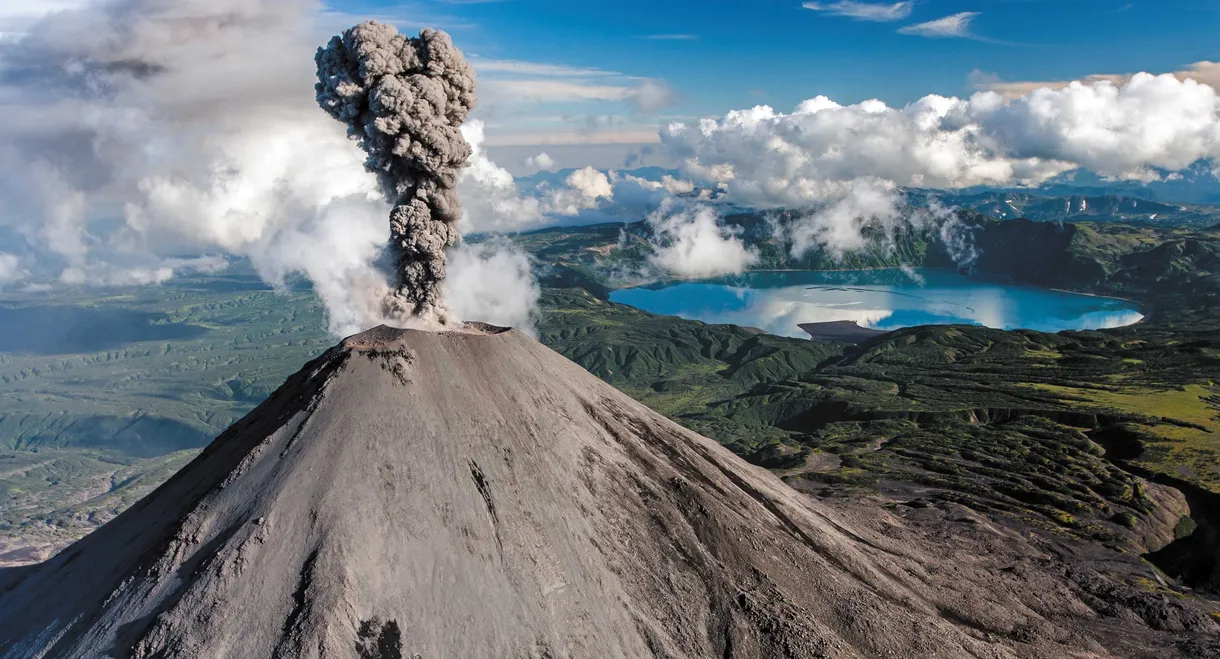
474 494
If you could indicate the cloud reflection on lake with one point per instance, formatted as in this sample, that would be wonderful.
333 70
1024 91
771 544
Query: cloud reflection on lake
882 299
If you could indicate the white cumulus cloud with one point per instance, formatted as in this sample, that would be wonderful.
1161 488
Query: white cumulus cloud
490 198
818 152
844 164
1207 73
539 163
590 182
584 189
838 225
10 269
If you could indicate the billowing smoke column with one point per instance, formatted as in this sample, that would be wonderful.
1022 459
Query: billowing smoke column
404 101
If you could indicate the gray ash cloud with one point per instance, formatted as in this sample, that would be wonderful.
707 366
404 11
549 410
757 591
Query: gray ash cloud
404 100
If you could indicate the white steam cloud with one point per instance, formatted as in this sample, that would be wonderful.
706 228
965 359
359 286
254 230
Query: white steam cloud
146 131
136 130
492 282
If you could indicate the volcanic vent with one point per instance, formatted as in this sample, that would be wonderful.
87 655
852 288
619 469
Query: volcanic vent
472 494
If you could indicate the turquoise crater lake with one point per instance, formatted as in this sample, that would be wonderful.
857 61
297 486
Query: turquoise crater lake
880 299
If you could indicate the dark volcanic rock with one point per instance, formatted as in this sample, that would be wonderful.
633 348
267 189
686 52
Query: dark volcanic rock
847 331
474 494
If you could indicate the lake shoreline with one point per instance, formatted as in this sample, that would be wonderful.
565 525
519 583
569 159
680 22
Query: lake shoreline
992 278
935 296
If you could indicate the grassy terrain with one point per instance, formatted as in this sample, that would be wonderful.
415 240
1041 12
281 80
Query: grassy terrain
983 417
1180 425
53 497
1172 270
1049 429
152 369
101 399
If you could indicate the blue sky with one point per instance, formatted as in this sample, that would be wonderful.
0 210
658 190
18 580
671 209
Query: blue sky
790 53
590 82
720 55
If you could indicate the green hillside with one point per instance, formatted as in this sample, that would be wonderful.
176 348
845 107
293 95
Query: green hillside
104 397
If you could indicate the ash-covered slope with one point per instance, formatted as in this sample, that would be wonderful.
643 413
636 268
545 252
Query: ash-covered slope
474 494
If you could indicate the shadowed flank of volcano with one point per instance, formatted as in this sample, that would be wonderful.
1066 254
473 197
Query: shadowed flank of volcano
474 494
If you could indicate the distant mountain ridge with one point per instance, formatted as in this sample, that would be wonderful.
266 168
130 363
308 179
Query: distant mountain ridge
1194 185
1096 208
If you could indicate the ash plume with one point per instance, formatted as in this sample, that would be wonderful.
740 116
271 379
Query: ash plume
404 100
